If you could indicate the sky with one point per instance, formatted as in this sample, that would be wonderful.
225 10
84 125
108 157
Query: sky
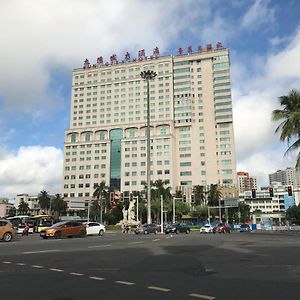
42 41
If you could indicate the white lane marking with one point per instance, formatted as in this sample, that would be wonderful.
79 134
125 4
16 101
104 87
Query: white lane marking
37 266
56 270
124 282
140 242
7 262
202 296
97 278
155 240
99 246
157 288
42 251
20 264
76 274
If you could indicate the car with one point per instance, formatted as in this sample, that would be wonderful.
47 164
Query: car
94 228
207 228
222 228
147 228
244 228
7 231
64 229
176 228
22 226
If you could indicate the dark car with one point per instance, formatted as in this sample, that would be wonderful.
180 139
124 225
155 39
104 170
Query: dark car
222 228
147 228
176 228
244 228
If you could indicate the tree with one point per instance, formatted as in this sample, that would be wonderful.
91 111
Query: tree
159 190
58 206
199 193
23 207
213 195
44 200
100 193
290 125
293 214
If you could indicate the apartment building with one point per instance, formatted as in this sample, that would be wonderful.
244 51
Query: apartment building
289 176
192 138
245 182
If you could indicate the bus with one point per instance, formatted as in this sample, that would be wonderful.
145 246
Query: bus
18 220
40 222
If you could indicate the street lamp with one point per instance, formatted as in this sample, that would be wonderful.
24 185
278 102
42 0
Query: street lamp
148 75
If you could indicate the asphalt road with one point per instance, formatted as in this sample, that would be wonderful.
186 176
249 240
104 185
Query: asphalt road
120 266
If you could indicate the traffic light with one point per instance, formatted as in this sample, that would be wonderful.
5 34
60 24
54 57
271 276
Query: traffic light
290 190
112 197
184 198
122 197
193 198
253 191
271 192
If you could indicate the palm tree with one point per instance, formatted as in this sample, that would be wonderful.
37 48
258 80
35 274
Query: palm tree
160 189
44 200
290 125
58 206
199 193
23 207
100 191
214 195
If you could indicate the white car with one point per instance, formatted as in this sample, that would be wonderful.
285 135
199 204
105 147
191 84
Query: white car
207 228
94 228
21 229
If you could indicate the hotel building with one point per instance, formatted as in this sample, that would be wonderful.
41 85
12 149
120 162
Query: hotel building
192 138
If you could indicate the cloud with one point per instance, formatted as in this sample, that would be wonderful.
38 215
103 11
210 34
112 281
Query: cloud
31 170
258 14
36 35
255 96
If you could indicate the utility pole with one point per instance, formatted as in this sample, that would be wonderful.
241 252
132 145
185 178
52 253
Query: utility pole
161 214
148 75
88 216
173 219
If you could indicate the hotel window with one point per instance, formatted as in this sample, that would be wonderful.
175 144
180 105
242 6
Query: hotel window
87 136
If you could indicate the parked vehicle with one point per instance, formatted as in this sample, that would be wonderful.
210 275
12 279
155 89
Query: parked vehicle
176 228
244 228
207 228
94 228
147 228
7 231
62 229
222 228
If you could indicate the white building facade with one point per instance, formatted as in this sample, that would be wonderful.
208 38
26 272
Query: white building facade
192 138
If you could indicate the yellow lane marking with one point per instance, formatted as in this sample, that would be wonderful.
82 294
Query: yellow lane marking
124 282
37 266
202 296
157 288
97 278
56 270
76 274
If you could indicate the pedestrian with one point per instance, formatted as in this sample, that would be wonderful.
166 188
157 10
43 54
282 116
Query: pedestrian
26 230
